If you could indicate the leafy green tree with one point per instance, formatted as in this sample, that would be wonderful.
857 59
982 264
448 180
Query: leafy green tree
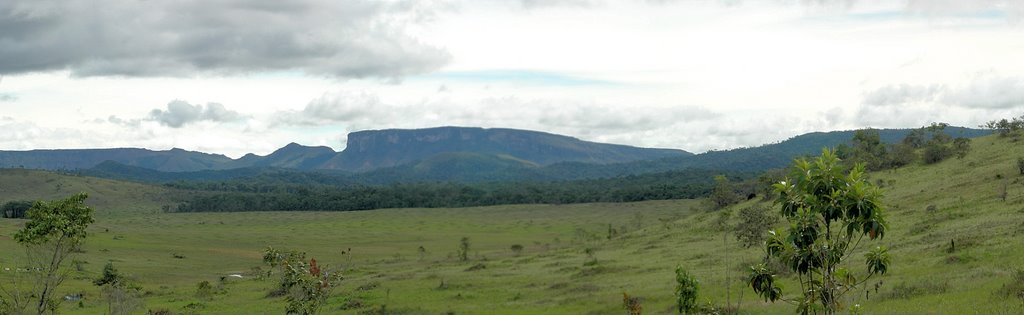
15 209
517 249
935 152
868 148
122 296
55 232
463 249
204 290
754 224
915 139
110 275
721 223
899 155
961 146
723 194
829 211
686 291
1006 127
938 133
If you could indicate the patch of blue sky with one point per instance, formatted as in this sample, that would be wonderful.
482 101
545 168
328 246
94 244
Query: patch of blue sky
528 77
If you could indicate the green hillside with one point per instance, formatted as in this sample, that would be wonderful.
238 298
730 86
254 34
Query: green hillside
109 197
958 200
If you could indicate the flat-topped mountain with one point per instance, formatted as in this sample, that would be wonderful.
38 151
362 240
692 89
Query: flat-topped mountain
366 151
373 149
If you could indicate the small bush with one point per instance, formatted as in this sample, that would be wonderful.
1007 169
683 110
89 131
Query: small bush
204 290
632 304
1015 288
517 249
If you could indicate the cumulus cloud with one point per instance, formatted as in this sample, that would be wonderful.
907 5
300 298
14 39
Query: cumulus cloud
989 92
180 113
343 107
902 94
335 38
986 96
985 91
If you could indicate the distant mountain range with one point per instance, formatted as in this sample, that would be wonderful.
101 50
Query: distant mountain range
366 151
437 154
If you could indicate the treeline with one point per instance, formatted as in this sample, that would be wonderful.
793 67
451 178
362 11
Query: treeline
233 196
930 144
15 209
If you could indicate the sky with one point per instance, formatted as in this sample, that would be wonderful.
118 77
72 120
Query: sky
234 77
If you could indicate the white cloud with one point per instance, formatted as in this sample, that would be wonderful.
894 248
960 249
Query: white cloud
995 92
983 91
903 94
180 113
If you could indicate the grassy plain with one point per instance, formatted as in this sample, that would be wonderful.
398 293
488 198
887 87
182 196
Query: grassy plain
958 200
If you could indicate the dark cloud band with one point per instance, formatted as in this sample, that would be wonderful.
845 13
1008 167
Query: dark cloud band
334 38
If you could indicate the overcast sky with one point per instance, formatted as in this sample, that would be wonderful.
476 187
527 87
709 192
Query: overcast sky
234 77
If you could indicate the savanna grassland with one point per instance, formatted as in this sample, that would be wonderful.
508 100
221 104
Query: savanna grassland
568 265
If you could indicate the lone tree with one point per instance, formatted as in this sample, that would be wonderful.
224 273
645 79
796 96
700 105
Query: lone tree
723 193
686 291
754 222
464 249
829 211
55 231
516 249
306 285
123 296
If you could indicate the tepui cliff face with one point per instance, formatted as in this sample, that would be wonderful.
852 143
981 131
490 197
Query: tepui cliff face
367 150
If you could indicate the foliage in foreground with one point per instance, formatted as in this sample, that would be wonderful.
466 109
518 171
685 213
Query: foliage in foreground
686 291
829 212
306 285
55 232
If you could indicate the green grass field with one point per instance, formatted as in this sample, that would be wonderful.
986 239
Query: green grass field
553 274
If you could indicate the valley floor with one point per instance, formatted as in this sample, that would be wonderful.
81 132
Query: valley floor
568 265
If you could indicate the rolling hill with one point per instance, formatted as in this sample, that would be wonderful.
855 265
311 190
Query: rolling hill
473 167
174 160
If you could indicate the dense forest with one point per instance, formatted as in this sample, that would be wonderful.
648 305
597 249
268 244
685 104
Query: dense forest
249 195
